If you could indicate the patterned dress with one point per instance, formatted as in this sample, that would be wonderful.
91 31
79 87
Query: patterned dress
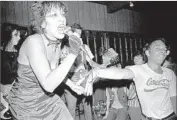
28 101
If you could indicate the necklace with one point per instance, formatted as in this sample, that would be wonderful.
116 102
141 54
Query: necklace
53 42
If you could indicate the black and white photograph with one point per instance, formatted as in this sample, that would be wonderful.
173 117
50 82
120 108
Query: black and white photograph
88 60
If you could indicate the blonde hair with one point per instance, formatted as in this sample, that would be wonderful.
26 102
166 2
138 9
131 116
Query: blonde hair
40 9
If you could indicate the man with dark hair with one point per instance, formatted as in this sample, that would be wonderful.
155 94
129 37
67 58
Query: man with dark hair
155 85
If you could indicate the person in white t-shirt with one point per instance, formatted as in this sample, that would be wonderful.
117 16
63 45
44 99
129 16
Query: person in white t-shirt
155 85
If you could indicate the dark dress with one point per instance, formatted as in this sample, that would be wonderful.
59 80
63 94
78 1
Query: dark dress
9 67
28 101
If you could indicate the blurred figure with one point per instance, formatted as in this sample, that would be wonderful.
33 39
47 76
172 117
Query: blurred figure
10 38
9 53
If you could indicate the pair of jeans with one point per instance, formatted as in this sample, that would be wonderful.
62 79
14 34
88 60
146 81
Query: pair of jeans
117 114
134 113
71 101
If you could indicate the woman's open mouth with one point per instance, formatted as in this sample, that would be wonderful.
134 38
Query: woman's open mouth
61 28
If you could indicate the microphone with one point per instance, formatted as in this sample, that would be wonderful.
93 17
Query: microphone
73 37
68 31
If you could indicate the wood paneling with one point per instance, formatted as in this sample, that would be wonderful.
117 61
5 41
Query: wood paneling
91 16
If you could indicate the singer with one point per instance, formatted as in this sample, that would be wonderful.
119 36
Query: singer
31 96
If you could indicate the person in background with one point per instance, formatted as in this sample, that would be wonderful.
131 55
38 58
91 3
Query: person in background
169 63
155 84
78 72
134 109
10 37
116 100
117 103
24 33
9 53
39 72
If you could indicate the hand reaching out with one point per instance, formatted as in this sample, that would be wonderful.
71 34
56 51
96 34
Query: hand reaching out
91 78
74 44
76 88
88 89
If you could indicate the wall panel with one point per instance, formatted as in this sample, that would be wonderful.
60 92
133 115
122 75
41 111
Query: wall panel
90 15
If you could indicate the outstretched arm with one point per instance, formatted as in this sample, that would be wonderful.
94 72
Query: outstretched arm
113 73
96 65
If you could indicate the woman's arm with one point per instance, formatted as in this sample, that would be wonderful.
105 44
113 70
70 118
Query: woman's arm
37 57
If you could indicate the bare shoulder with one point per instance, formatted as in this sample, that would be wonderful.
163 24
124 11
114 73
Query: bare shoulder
33 39
31 43
34 42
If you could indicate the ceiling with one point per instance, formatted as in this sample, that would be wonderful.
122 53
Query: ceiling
140 6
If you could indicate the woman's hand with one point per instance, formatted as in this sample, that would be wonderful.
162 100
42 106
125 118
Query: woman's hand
88 89
75 44
76 88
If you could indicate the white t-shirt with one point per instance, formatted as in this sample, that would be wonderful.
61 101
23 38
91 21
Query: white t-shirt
154 90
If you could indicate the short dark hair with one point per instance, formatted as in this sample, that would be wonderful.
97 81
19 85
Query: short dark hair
76 26
140 52
148 44
40 8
